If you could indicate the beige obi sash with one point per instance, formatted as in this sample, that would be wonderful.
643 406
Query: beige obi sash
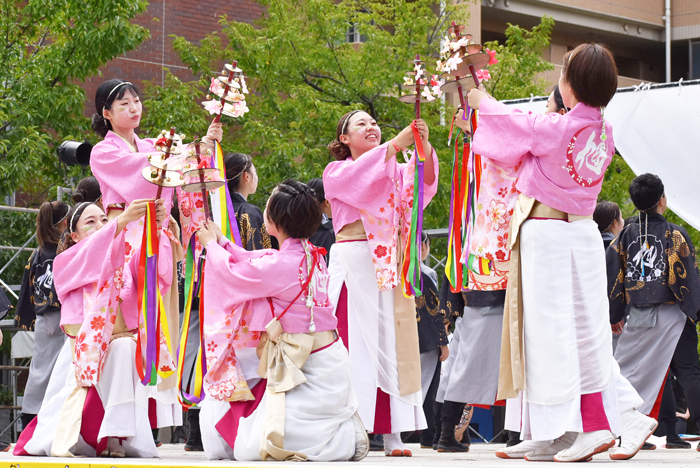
405 324
511 377
281 361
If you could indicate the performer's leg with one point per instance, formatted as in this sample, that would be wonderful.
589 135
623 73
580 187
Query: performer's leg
686 368
451 414
667 417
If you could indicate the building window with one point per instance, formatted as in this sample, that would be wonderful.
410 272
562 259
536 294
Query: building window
354 36
694 70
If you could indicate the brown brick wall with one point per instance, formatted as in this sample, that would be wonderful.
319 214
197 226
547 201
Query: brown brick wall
685 13
193 19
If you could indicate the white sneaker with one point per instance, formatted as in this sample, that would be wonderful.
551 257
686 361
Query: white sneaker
522 449
587 444
547 453
636 429
361 439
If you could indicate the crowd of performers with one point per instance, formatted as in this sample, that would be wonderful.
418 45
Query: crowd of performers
296 350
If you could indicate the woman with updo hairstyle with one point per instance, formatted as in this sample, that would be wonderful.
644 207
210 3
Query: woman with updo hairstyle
99 406
556 351
88 190
38 308
371 197
118 162
264 305
242 180
608 217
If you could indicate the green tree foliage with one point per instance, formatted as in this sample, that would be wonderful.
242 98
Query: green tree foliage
304 75
520 61
49 47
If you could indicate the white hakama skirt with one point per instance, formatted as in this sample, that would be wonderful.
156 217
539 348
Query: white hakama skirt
372 338
471 373
318 419
644 354
123 397
566 329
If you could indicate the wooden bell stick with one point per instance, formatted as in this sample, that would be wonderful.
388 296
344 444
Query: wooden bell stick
227 87
417 105
164 171
207 213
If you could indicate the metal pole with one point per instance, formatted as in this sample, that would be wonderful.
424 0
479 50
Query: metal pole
4 285
667 20
17 254
18 209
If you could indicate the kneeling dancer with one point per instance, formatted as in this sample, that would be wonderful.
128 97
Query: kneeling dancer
293 399
102 407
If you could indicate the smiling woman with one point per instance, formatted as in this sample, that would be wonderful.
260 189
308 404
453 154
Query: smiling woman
117 162
371 196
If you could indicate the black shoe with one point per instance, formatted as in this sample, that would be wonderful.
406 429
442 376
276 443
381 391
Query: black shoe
648 446
4 446
376 443
194 439
26 419
447 442
513 439
676 443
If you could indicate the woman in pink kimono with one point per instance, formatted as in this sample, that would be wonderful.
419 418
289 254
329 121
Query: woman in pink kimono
117 162
96 404
556 346
371 196
293 399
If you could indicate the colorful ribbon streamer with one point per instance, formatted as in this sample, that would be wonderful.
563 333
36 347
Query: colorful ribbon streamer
454 268
222 208
153 322
193 288
411 277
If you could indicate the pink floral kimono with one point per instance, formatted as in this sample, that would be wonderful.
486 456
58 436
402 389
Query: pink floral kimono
101 395
242 291
118 166
371 200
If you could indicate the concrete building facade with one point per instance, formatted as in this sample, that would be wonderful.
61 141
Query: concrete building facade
635 30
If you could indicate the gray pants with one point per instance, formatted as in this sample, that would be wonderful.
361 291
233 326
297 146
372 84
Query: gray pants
48 341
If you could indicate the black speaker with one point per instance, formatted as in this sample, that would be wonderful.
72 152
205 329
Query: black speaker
74 152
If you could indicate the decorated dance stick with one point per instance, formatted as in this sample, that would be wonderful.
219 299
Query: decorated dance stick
164 167
420 89
200 176
463 59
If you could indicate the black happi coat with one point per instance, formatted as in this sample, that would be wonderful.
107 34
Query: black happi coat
665 272
431 319
452 304
37 295
324 237
251 223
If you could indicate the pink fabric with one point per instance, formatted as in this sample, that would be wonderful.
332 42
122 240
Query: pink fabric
91 291
593 416
118 171
93 414
24 437
380 193
100 298
228 425
562 159
245 276
237 284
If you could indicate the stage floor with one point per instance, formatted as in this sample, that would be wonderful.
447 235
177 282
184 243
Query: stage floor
481 454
